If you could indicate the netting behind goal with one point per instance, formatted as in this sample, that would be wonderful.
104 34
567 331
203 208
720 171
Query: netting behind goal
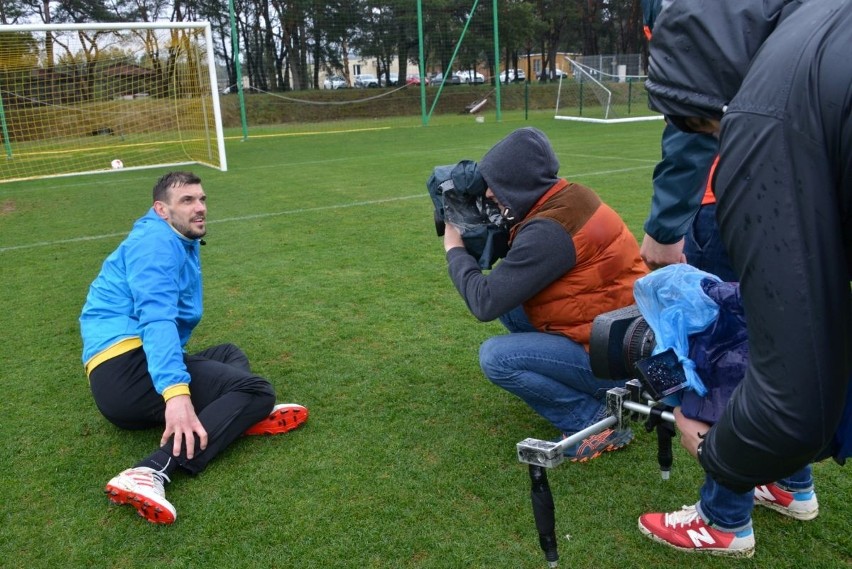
76 98
591 95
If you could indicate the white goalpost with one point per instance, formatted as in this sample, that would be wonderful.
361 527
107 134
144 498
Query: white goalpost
86 98
592 95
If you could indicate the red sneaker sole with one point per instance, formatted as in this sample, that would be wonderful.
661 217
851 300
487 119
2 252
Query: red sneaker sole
149 510
280 421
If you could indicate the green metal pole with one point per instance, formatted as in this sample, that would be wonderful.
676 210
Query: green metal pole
526 100
6 143
235 48
497 59
629 94
425 118
445 72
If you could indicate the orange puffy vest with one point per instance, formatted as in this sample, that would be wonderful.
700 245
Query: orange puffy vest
607 263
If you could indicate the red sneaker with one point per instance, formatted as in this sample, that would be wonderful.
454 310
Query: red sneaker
142 488
685 530
284 417
798 505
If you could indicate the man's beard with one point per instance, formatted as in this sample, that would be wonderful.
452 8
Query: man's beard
189 232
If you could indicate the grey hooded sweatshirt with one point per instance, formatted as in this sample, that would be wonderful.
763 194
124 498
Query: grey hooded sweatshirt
780 80
570 257
519 170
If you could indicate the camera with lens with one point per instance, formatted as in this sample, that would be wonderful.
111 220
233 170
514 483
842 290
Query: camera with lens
621 347
458 194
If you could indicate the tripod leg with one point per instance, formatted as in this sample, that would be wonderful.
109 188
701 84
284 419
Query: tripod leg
665 433
543 511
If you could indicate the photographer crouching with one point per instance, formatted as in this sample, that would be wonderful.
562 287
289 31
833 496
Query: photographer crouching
570 257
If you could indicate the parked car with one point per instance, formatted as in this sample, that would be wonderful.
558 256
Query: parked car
513 76
394 79
470 77
335 82
413 79
554 75
437 78
365 80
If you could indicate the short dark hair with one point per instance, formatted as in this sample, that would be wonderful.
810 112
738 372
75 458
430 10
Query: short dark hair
173 180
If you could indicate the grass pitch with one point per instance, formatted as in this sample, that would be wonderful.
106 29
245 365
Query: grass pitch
322 263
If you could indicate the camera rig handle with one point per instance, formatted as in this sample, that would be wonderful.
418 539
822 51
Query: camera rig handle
623 404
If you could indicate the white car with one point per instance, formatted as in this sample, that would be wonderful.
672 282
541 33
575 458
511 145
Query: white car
335 82
470 77
437 78
394 79
366 80
555 75
514 76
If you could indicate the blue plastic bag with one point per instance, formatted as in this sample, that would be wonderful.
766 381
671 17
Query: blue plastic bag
675 306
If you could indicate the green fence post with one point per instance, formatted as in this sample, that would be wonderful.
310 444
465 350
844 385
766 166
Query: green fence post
497 60
235 48
629 94
6 143
422 69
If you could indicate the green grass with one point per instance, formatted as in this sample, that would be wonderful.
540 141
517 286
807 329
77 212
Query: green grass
322 263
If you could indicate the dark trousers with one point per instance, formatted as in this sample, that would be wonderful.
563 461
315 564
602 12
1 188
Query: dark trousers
228 398
703 245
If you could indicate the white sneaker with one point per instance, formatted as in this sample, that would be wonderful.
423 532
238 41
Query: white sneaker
142 488
798 505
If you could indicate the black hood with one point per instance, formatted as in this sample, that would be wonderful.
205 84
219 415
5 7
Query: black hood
520 169
700 52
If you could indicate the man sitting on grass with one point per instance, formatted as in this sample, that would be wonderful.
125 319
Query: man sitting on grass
138 316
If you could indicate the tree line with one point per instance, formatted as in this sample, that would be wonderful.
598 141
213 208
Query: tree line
290 44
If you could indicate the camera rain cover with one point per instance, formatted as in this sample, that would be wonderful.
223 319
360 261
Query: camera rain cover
672 301
458 193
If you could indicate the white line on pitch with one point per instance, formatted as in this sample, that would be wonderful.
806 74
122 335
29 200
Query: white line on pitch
279 213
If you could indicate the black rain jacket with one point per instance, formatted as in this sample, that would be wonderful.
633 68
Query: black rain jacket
777 73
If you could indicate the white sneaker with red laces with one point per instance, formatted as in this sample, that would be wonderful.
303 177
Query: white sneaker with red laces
142 488
686 531
799 505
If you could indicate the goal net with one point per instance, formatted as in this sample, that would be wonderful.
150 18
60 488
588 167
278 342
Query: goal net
590 94
85 98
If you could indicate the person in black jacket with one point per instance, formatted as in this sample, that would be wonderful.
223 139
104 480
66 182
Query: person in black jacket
681 225
774 81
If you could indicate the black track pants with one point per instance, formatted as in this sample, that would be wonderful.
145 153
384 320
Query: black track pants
228 398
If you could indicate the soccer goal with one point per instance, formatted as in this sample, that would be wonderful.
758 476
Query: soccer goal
86 98
589 94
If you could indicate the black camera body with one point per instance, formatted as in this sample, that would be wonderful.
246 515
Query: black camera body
618 340
621 347
622 342
458 194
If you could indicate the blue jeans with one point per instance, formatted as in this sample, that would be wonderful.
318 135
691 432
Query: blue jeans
731 510
550 372
703 245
